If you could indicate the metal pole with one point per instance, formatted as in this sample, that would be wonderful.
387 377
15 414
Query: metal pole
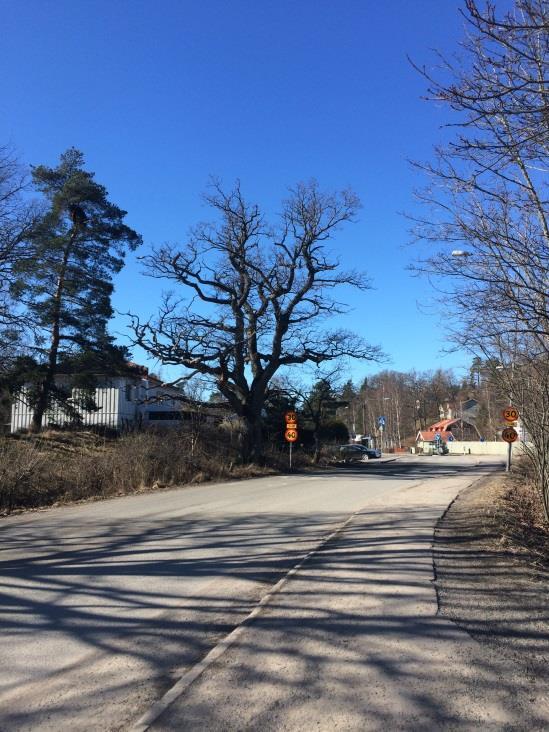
509 448
291 443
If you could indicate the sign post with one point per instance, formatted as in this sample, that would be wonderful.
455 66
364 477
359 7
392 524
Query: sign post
381 424
509 433
290 435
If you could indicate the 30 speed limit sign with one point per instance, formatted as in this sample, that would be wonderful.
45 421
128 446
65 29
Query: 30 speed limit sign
510 414
291 427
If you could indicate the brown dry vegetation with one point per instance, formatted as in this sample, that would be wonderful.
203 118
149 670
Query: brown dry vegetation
56 467
520 516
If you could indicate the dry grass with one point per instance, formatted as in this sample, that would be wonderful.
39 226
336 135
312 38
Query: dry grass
521 518
57 467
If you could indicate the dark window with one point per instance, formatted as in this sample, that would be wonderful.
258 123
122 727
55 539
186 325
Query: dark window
158 415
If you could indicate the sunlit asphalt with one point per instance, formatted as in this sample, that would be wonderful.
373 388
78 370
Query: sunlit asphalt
104 606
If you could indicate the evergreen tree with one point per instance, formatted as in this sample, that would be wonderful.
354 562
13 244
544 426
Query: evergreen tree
348 391
316 405
73 252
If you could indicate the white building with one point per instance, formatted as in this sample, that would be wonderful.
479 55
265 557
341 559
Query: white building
122 401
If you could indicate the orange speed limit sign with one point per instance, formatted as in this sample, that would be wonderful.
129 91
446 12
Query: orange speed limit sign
509 434
290 417
510 414
290 435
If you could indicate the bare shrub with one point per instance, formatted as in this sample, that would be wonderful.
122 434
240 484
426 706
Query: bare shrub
62 466
65 467
20 466
522 514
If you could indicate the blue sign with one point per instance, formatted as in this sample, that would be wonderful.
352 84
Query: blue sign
438 438
381 421
451 438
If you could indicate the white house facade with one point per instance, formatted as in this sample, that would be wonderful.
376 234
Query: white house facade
122 402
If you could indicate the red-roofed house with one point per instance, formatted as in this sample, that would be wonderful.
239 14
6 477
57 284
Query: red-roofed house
448 429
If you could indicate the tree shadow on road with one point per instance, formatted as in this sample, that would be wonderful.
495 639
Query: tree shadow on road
147 598
355 642
154 595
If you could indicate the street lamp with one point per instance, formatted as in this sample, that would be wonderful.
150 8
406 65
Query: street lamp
381 427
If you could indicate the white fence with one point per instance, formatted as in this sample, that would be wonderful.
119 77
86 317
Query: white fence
120 405
106 399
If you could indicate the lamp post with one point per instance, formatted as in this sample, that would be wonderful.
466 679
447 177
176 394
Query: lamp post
381 423
351 417
501 367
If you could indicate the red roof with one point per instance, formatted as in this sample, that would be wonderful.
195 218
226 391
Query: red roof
429 435
443 425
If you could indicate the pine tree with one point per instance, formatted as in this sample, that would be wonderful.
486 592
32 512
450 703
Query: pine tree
73 252
316 407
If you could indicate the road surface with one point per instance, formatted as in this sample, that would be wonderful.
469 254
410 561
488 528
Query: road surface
105 606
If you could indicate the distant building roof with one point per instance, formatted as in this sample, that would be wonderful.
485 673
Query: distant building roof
429 435
443 425
469 405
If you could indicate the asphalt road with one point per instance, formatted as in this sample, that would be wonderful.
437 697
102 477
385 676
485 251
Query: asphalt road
105 606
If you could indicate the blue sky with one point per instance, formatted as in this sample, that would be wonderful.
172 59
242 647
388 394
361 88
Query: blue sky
161 95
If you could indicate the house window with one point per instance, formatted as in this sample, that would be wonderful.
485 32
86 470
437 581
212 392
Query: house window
158 415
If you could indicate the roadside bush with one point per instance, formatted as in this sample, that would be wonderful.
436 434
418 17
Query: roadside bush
522 514
20 468
57 467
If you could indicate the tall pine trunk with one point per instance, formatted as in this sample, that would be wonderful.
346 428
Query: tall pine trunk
45 387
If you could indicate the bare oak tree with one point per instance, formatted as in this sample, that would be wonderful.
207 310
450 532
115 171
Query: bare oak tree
488 204
256 298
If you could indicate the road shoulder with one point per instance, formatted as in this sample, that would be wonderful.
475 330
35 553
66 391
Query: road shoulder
489 585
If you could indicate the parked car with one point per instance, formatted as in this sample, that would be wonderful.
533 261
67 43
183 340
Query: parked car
373 452
357 453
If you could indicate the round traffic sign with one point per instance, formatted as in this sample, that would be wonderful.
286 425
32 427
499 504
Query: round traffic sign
510 434
290 417
510 414
290 435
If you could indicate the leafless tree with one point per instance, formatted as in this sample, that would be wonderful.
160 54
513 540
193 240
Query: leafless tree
408 401
257 297
488 203
16 219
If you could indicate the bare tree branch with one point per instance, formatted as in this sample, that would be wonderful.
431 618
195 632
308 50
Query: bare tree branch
488 198
261 296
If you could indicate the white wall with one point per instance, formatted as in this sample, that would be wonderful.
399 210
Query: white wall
482 448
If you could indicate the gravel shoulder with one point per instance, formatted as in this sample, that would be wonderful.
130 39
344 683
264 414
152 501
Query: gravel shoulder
489 584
